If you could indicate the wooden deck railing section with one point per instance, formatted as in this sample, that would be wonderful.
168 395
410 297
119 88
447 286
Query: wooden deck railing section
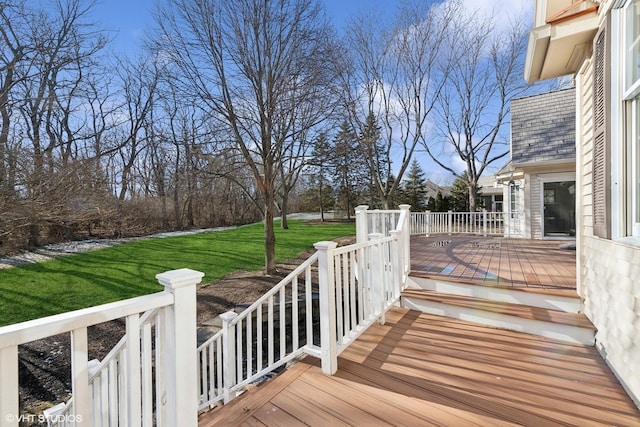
484 223
155 375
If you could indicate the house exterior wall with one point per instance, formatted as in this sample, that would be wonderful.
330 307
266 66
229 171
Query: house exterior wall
532 202
608 269
543 135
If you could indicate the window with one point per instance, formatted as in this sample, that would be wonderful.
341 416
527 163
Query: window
515 199
631 150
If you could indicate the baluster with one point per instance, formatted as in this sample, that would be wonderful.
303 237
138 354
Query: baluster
270 326
352 289
160 378
294 315
147 379
260 337
309 305
339 303
283 324
239 353
249 344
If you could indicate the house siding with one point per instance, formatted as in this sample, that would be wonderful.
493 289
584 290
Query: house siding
607 270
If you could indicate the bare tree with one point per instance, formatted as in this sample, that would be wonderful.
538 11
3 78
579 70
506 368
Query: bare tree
139 80
473 108
393 78
245 59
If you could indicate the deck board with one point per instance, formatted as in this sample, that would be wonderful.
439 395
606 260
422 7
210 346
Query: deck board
495 261
421 369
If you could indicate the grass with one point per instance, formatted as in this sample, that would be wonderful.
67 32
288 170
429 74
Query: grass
128 270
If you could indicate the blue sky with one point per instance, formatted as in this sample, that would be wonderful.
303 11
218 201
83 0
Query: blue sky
127 19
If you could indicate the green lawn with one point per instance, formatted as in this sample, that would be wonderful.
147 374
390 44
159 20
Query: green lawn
129 270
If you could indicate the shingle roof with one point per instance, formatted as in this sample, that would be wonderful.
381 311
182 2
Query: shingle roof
543 127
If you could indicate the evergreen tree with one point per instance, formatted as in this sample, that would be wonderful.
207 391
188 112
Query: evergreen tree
431 204
414 191
372 150
321 161
442 203
349 171
460 193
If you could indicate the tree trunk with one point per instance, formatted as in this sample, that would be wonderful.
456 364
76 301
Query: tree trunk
473 195
269 233
321 201
284 224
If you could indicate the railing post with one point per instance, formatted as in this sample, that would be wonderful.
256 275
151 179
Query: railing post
484 222
181 367
406 241
428 224
361 223
377 277
9 405
397 266
80 377
228 354
326 279
450 221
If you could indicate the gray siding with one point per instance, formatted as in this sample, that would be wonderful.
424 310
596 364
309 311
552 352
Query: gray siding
543 127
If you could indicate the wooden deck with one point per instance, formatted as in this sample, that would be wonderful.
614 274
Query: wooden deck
422 370
495 261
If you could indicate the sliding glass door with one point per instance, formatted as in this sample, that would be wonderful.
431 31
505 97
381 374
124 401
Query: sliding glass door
559 206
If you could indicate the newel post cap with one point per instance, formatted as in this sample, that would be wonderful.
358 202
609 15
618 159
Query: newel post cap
176 279
325 245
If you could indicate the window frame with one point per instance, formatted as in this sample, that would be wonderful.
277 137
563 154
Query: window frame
629 155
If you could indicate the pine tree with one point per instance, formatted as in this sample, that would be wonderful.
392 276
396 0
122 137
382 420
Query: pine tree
460 193
414 191
370 147
321 161
442 203
349 170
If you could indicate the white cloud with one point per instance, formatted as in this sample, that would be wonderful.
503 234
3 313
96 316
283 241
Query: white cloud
503 11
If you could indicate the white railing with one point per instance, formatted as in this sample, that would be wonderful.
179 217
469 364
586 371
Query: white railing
142 381
269 333
109 394
318 309
377 221
153 376
480 223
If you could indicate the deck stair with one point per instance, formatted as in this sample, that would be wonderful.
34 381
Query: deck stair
549 313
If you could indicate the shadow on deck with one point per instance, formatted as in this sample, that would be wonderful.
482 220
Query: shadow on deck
420 369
